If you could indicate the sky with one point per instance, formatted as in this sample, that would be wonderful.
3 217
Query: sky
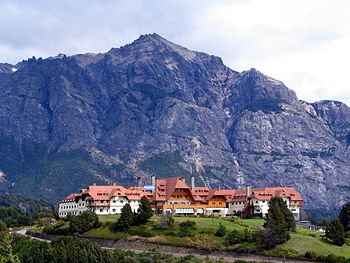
305 44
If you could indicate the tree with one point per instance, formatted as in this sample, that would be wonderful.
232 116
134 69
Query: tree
287 215
276 224
83 222
344 216
144 212
335 232
126 218
6 255
221 231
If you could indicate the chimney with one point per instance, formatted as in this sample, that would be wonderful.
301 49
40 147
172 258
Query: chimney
114 184
94 184
153 180
192 183
248 191
139 182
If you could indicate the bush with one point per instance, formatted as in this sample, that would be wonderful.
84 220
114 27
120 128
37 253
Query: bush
83 222
186 228
234 237
221 231
310 255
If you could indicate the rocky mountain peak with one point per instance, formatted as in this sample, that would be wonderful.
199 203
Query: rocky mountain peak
154 107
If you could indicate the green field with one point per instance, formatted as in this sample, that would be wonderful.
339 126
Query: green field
203 237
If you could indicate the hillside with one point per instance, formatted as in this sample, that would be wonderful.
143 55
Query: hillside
154 107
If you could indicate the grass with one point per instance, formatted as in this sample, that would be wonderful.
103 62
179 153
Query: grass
203 237
306 240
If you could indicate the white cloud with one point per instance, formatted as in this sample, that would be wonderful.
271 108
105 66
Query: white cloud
303 43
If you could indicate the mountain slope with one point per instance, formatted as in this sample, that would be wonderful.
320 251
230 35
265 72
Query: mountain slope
153 107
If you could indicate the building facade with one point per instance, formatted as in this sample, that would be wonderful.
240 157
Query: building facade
174 196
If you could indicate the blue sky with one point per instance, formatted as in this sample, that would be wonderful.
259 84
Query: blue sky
303 43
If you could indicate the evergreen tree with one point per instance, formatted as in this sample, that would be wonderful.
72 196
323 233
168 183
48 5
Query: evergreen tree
344 216
287 215
335 232
126 218
276 225
144 212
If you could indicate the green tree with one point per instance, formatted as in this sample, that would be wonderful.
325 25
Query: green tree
126 218
221 231
83 222
344 216
144 212
335 232
6 254
276 224
287 215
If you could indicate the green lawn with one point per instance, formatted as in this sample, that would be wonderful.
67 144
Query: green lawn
306 240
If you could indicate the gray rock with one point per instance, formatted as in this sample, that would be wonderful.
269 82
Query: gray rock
153 107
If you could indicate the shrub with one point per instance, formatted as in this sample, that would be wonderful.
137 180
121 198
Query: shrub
310 255
83 222
234 237
221 231
186 228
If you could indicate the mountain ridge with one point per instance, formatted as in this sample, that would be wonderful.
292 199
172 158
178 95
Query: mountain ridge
154 107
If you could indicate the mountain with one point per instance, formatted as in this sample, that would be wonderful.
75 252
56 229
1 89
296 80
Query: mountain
154 107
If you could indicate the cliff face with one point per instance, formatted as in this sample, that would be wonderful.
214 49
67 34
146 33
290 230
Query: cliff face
153 107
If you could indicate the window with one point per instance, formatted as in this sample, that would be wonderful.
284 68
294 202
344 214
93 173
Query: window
113 210
114 201
220 203
101 210
121 201
256 202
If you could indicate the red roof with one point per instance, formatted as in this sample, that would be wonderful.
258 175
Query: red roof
267 193
166 186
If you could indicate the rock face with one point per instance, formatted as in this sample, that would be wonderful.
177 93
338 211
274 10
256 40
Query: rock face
153 107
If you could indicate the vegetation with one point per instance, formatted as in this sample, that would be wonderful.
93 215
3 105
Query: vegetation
221 231
6 254
126 218
344 216
335 232
242 235
278 223
144 212
62 249
49 170
83 222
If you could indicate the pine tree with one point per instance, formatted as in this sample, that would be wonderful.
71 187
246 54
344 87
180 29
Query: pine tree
335 232
145 211
287 215
276 225
126 218
344 216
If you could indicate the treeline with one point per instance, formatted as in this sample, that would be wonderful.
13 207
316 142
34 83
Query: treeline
18 211
30 206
